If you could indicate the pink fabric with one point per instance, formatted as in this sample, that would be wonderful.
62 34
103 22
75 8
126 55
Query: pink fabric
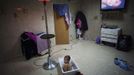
41 44
31 36
78 23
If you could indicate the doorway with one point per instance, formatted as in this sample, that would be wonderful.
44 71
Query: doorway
61 31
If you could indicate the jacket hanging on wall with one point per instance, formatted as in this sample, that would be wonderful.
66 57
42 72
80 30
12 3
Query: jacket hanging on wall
81 22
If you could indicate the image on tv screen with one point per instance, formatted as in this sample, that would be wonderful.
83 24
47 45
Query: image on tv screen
112 4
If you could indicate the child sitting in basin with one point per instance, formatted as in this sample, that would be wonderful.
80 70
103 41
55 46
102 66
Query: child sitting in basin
67 66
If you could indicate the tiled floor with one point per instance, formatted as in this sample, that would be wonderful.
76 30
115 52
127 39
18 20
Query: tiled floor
91 58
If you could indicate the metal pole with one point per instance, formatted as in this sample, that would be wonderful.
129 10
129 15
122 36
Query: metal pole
50 64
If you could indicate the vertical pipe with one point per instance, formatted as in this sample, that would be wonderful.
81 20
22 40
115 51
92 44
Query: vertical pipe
48 39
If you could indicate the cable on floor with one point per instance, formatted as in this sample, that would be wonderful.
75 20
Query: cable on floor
40 65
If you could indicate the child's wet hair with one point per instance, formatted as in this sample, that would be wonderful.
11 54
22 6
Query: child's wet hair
68 57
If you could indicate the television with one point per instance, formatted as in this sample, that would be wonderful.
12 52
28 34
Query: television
112 4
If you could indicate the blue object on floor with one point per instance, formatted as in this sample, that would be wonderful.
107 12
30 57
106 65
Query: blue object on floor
122 64
98 40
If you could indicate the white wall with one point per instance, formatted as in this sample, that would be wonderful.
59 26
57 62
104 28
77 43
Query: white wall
32 20
50 21
12 27
123 19
92 12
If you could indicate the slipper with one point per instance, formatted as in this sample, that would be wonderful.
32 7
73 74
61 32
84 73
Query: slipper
121 63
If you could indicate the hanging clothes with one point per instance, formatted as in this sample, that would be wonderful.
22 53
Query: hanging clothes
63 10
78 23
81 22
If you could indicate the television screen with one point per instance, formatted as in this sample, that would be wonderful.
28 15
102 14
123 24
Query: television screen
112 4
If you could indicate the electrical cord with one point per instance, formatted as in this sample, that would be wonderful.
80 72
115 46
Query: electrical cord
35 62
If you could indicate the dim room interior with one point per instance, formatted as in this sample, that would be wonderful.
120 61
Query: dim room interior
96 35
